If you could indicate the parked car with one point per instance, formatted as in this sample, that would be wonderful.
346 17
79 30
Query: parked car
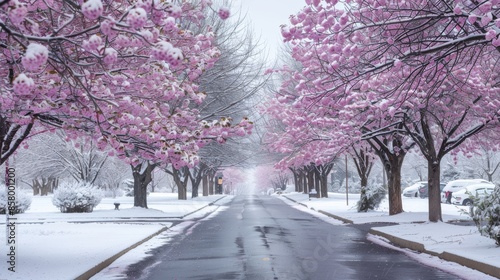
423 191
412 191
463 196
456 185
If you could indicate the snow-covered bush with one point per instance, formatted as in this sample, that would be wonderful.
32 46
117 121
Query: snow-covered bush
485 212
76 197
370 198
22 202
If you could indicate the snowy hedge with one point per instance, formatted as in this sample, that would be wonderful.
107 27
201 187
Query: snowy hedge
22 202
485 212
76 197
370 198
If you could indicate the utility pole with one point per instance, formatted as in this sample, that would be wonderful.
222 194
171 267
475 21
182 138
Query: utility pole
346 183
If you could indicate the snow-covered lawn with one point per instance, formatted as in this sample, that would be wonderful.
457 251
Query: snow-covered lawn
54 245
413 226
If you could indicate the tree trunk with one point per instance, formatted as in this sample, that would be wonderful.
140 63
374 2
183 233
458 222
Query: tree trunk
181 179
310 180
205 185
394 185
45 186
434 177
211 181
392 162
321 179
317 180
36 187
55 184
196 175
301 180
363 164
44 190
194 191
11 137
295 178
142 174
324 185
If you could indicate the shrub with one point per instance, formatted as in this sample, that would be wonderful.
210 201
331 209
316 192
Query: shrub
371 198
22 202
76 197
485 212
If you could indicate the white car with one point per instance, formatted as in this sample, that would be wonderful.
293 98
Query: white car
457 185
412 191
462 197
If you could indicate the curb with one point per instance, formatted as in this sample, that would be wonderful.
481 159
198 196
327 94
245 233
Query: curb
403 243
210 204
447 256
483 267
344 220
295 201
96 269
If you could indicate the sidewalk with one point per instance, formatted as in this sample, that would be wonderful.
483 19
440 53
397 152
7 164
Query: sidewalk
454 243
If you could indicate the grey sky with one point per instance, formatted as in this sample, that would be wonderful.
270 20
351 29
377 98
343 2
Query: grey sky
266 16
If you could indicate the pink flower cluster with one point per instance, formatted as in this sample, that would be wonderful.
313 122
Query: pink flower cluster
92 9
17 12
92 44
137 18
175 11
110 56
36 56
491 35
23 84
169 23
224 13
145 4
106 28
166 52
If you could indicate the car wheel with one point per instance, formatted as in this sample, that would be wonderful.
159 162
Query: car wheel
416 194
467 202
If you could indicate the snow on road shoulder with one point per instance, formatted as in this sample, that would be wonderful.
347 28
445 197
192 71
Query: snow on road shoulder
432 261
66 250
441 237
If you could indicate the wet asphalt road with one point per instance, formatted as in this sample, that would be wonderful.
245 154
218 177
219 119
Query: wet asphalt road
260 237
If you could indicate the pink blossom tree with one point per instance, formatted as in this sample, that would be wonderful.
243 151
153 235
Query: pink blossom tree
231 178
401 74
122 73
301 135
267 177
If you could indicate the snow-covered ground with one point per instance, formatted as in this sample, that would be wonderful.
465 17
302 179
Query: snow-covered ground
53 245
